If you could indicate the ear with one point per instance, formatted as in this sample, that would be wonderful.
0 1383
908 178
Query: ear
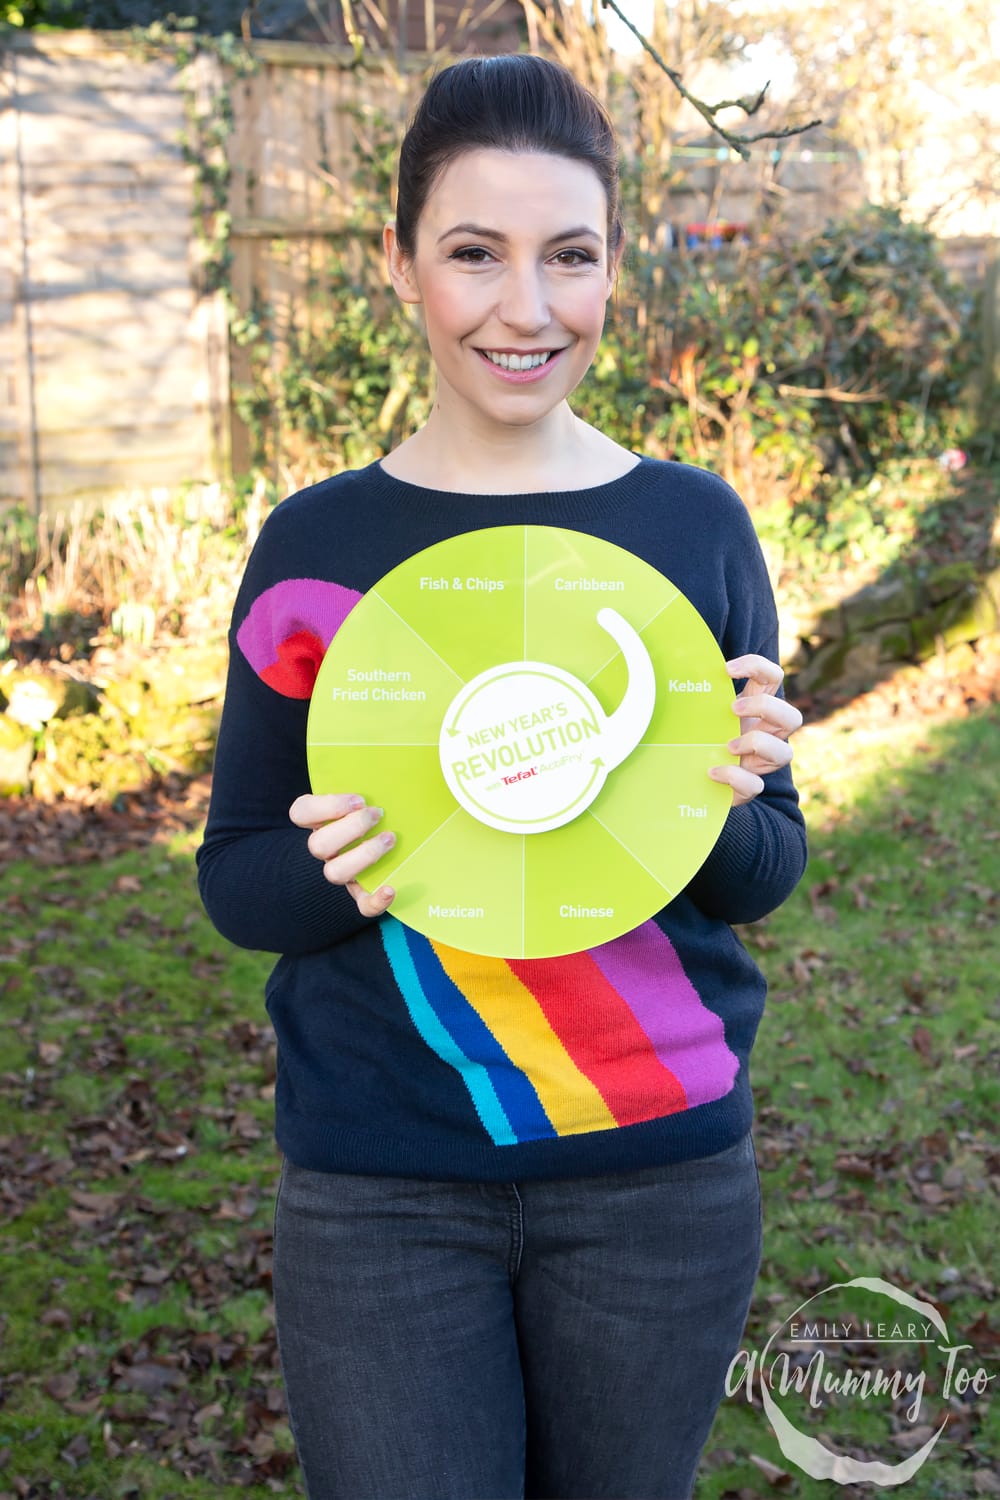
400 267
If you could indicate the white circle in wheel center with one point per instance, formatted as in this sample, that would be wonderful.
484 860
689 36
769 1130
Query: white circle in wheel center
526 747
521 747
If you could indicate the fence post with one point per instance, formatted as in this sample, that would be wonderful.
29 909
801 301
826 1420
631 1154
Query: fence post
28 423
207 80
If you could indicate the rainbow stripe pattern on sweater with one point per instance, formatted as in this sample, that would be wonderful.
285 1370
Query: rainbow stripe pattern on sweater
562 1046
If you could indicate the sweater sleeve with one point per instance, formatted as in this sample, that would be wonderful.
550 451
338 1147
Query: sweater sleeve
760 855
258 882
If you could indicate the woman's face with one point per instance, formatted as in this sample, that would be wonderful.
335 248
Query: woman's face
511 264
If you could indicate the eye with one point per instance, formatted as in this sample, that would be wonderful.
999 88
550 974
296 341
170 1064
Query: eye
575 257
472 255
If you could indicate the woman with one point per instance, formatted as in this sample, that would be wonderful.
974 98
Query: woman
462 1314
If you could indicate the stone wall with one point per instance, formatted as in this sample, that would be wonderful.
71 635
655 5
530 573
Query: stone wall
855 641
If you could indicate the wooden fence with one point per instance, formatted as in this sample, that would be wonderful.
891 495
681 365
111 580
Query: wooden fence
118 366
299 119
116 369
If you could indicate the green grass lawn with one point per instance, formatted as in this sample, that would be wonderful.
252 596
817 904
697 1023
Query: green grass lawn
137 1352
877 1084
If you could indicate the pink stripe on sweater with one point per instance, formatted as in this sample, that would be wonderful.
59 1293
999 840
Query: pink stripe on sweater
687 1037
288 608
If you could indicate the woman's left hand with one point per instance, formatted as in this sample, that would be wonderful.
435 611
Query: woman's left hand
766 721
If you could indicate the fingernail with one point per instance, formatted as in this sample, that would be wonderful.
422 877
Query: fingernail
733 745
387 840
376 814
355 804
387 893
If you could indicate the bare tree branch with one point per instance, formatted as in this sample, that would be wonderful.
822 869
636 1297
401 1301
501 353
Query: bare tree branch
831 393
708 112
746 104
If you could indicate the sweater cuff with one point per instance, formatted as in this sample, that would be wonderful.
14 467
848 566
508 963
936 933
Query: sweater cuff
266 891
755 865
735 851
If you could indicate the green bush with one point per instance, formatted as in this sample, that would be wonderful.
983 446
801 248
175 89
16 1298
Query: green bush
18 548
745 344
776 362
343 396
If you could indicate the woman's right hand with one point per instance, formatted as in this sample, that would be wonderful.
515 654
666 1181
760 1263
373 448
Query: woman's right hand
337 821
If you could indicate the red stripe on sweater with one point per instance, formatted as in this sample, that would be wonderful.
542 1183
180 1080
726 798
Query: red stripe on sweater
300 657
602 1036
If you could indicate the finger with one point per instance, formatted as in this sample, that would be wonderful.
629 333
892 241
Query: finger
346 867
762 675
745 784
310 811
760 751
330 838
371 903
774 714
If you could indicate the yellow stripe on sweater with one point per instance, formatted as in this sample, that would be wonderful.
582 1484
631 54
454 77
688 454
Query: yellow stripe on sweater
515 1018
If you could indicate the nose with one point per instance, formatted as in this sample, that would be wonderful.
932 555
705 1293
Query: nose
524 304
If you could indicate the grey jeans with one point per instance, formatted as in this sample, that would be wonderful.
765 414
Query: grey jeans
484 1341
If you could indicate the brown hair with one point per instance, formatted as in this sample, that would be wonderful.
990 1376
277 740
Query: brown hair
515 102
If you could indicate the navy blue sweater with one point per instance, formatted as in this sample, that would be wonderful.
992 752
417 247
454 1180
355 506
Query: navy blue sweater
402 1056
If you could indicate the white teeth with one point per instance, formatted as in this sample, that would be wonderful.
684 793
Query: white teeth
517 361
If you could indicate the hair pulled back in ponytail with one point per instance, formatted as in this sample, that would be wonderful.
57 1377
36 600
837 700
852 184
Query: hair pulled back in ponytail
515 102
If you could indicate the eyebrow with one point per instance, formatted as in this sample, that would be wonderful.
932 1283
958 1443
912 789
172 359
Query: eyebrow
581 231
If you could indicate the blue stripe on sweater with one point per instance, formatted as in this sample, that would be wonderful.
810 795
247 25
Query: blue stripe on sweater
475 1077
514 1089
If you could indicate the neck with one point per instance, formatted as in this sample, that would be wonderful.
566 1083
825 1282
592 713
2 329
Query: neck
460 452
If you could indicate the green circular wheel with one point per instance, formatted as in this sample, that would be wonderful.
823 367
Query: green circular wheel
536 710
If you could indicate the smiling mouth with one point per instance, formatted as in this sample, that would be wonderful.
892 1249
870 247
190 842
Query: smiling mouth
518 361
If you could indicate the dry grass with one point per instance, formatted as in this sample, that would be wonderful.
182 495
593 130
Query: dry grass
162 560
